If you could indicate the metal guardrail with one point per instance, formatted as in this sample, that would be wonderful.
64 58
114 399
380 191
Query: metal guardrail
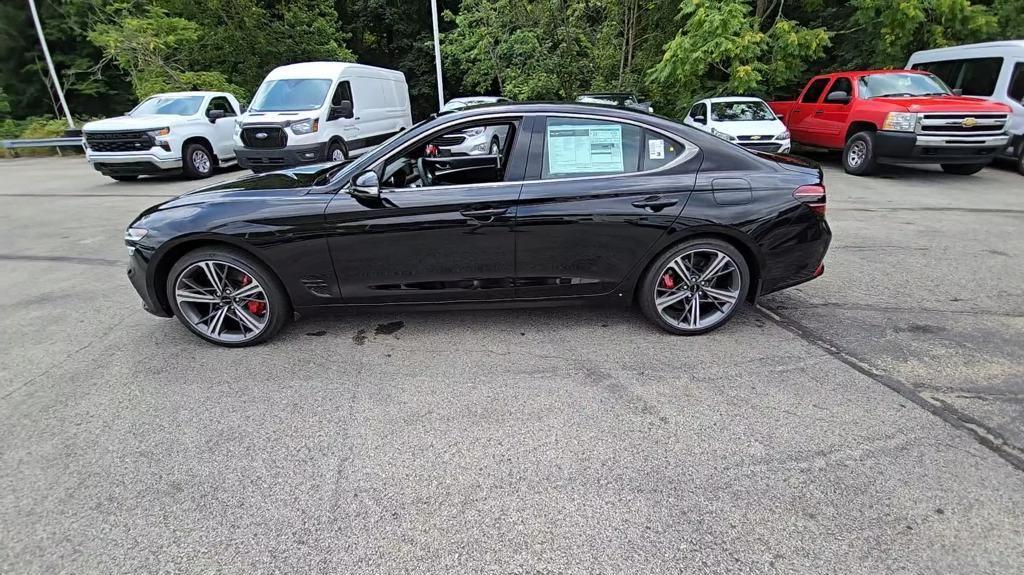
41 143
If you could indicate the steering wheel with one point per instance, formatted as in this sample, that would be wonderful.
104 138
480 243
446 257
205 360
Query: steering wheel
425 176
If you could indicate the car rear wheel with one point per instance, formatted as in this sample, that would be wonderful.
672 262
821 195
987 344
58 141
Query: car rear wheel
859 154
695 287
197 161
963 169
335 152
226 297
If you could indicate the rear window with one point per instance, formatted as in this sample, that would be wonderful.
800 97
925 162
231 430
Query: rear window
978 77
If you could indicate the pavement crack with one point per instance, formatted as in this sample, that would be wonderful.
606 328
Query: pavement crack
982 433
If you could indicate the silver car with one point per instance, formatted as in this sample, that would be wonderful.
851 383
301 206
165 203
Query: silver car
488 140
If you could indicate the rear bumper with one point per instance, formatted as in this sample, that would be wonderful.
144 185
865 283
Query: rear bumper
908 148
132 163
257 159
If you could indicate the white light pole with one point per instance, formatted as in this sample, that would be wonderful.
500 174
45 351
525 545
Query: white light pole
49 62
437 56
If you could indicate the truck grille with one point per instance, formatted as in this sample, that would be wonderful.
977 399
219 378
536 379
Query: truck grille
960 124
118 141
264 137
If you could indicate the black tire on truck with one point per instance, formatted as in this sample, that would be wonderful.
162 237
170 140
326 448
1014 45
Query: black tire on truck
197 161
859 154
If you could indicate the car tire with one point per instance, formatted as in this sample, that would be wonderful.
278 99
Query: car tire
197 161
336 152
963 169
244 321
859 154
1020 158
718 297
128 178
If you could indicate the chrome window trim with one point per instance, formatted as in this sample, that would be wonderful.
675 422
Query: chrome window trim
689 152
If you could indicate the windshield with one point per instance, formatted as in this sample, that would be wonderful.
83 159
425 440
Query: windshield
740 112
901 85
168 105
290 95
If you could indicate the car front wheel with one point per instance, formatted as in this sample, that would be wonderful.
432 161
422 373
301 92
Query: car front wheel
226 297
695 287
197 161
859 154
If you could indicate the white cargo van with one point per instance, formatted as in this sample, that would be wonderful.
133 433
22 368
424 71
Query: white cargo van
320 111
993 70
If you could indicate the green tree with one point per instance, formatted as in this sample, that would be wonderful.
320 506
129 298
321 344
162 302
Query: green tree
724 48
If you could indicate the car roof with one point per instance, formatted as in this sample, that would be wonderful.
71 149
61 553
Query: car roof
870 73
327 70
191 93
477 99
734 99
951 50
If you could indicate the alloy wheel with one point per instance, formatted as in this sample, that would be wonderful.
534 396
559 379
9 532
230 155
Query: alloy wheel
222 301
337 155
201 161
698 289
857 153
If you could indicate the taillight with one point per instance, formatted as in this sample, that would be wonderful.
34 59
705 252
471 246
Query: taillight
813 197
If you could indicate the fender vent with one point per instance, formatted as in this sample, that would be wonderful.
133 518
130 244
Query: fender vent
317 286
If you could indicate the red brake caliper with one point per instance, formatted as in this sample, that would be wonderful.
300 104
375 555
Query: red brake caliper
255 307
667 282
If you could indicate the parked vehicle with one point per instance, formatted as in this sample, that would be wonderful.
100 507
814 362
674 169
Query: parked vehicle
993 70
624 99
475 141
748 122
587 203
894 117
189 132
320 111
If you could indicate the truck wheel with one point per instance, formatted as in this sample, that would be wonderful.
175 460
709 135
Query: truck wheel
335 152
1020 159
963 169
197 161
128 178
859 154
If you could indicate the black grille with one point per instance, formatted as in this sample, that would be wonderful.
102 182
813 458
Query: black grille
755 138
762 147
961 129
118 141
446 141
265 137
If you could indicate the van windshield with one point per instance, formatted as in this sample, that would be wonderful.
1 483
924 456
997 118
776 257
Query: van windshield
290 95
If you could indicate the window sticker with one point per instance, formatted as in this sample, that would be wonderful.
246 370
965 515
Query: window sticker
656 149
576 148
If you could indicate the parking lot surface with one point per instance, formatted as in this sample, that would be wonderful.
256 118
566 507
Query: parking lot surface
867 422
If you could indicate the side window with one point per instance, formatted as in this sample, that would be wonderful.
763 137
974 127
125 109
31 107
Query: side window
979 76
948 71
699 109
814 91
221 103
341 93
1016 87
657 151
576 147
842 85
470 154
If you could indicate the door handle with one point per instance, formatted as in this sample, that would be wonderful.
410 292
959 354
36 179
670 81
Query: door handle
796 110
487 214
819 112
655 203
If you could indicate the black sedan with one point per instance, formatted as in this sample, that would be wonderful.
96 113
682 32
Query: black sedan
581 203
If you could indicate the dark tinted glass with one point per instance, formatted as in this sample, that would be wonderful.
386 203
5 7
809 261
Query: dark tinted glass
979 76
814 91
1016 90
658 151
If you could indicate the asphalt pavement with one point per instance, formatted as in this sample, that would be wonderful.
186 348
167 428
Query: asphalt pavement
867 422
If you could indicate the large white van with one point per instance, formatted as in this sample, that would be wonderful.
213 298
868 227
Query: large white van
320 111
993 70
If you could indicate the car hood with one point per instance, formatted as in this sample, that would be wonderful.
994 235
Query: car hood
945 104
770 128
145 122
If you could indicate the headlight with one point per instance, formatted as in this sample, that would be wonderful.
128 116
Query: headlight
783 136
135 234
306 126
471 132
900 122
723 135
159 132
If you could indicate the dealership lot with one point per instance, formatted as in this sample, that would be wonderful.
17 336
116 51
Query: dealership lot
866 422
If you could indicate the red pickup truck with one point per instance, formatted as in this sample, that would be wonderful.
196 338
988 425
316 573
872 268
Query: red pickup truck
896 117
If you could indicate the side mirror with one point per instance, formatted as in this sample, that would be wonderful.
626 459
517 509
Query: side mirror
342 110
838 97
366 184
215 115
958 91
700 119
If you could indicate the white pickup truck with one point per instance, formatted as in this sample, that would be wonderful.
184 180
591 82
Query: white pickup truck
180 132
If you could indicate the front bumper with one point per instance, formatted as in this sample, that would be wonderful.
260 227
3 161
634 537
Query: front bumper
772 146
265 160
132 163
909 148
138 269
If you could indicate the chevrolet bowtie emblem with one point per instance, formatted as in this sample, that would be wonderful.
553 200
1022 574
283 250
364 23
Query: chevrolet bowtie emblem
755 137
968 122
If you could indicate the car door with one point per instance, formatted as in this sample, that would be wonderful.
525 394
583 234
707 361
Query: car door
831 117
451 240
802 120
600 191
223 128
337 125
